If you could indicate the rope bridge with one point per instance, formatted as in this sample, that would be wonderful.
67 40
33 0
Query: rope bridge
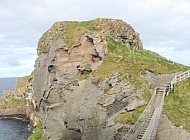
146 126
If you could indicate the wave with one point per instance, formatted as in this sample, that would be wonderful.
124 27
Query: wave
16 118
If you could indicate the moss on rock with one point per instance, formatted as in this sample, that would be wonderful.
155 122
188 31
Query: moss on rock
21 86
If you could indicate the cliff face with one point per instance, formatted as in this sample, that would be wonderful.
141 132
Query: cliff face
68 104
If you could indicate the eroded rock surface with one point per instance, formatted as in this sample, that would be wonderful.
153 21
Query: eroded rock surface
79 110
167 131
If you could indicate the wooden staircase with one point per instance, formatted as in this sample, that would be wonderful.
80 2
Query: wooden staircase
146 126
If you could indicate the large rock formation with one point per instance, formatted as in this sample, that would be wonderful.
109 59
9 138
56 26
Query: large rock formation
12 103
71 108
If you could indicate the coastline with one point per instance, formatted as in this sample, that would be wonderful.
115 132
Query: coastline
13 112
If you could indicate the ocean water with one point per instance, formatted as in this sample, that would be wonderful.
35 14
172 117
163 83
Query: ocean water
7 84
12 128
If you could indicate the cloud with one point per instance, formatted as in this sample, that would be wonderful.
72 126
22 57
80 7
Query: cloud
17 71
163 25
16 61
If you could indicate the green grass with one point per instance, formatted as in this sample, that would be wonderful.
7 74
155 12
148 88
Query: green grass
71 34
74 31
38 134
44 49
84 76
87 66
124 60
14 103
130 117
177 105
146 95
21 86
33 72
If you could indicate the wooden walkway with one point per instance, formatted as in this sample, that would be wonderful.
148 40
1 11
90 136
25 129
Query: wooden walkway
146 126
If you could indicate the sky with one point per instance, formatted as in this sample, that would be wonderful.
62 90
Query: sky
164 26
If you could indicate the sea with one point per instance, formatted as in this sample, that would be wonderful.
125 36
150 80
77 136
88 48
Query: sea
12 128
7 84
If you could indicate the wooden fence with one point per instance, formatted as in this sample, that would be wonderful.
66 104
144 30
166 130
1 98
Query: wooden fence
178 78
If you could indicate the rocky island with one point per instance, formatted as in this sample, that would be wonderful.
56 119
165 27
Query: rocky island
92 80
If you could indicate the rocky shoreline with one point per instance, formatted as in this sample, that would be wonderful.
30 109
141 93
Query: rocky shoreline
12 105
13 112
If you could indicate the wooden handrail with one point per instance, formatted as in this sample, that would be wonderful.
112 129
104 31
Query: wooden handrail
181 77
178 78
153 125
134 131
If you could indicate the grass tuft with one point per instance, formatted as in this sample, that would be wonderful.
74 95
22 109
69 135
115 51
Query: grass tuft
38 134
130 117
84 76
14 103
177 105
74 31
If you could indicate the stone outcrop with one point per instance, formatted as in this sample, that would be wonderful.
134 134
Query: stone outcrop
70 108
18 93
8 102
167 131
120 31
12 103
7 95
31 102
19 111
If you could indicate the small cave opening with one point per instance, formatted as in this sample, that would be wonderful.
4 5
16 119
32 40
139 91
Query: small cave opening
52 68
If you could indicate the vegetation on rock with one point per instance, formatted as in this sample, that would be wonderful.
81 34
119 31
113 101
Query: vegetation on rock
14 103
84 76
70 31
74 31
130 117
135 63
177 105
38 134
124 60
21 86
43 49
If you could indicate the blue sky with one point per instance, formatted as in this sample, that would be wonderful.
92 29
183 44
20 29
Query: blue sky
164 26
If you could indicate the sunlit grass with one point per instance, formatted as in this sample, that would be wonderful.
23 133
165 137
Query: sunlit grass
130 117
124 60
38 134
74 31
14 103
177 105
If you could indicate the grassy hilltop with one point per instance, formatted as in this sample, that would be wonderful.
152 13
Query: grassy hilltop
123 59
